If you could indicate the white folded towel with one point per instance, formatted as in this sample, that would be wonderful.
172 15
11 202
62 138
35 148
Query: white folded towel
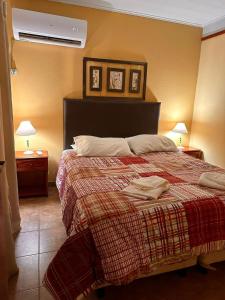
146 183
212 180
147 188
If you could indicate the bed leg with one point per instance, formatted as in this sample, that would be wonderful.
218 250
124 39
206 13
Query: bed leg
204 267
100 293
202 270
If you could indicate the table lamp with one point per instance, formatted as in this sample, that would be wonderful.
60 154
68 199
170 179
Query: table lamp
26 129
181 129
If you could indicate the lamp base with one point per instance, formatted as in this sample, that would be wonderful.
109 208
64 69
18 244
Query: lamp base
28 152
180 147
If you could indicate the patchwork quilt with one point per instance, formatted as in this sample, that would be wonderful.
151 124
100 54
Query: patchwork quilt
114 238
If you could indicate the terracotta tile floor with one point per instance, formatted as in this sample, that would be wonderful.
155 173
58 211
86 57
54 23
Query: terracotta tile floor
43 233
41 236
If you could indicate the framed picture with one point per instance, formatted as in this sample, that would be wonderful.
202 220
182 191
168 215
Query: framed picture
105 78
135 81
95 78
115 80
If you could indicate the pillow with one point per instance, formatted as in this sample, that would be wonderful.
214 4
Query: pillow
74 147
95 146
145 143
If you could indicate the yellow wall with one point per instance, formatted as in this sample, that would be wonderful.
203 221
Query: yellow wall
208 128
47 74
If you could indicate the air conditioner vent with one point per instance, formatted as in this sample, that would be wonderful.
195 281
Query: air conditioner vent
37 37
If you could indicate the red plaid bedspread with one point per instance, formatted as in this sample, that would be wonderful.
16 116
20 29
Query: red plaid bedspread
113 238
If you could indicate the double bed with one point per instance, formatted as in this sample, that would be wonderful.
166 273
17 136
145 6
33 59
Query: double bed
113 238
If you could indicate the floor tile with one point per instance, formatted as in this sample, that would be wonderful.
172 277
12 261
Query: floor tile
51 219
26 295
27 243
51 206
52 239
29 206
44 294
44 260
28 274
30 221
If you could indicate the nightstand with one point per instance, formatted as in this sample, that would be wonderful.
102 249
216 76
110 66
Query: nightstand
32 174
197 153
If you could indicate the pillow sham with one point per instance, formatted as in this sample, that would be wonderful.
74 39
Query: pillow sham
145 143
95 146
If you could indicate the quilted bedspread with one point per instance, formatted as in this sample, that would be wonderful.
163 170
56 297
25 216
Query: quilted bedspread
114 238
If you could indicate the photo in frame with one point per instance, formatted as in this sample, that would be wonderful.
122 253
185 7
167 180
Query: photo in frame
95 78
109 78
115 80
135 81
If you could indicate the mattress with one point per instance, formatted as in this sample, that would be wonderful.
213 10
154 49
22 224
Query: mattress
114 238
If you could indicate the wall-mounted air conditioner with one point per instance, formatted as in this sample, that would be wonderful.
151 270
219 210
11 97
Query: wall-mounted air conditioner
48 29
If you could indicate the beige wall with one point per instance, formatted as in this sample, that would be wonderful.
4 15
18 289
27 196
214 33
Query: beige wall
47 74
208 128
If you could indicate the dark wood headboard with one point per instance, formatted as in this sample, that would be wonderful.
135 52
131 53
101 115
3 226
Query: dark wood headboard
111 118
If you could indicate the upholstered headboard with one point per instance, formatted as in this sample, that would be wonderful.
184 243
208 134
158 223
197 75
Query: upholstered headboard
109 118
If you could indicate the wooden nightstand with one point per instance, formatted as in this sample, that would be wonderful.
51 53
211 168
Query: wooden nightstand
32 174
197 153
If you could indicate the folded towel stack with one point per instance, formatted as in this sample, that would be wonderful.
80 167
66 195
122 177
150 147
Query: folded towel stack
213 180
147 188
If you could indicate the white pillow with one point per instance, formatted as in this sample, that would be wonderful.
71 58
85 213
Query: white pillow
74 147
96 146
145 143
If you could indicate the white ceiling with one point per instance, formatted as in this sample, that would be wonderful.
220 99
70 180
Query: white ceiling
193 12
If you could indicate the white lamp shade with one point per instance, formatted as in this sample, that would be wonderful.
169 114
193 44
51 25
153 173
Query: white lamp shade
180 128
25 128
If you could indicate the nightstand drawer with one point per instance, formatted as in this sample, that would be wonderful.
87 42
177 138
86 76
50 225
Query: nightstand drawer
24 165
32 174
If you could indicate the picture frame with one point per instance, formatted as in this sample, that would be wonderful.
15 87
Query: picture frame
115 80
98 71
134 81
95 78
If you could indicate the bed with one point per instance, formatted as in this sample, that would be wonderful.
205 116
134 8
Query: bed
114 239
